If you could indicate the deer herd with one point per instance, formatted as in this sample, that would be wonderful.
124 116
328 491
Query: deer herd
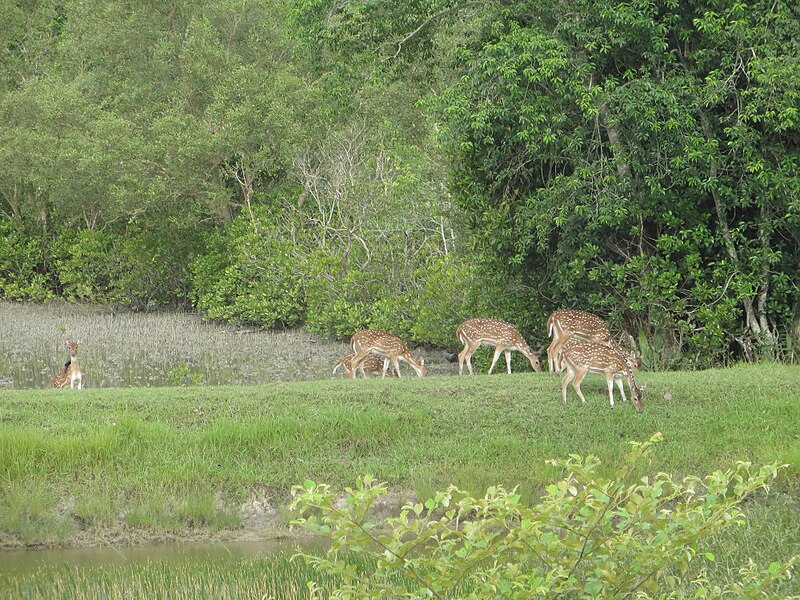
581 344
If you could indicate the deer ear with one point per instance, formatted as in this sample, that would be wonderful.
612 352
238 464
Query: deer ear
77 342
66 342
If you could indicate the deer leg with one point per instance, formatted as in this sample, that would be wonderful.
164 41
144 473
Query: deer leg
355 364
473 346
497 353
576 384
621 388
568 376
472 349
552 349
396 365
508 360
553 360
610 382
466 356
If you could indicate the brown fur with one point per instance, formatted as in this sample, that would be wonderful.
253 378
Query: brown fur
372 365
72 374
563 324
492 332
384 345
581 357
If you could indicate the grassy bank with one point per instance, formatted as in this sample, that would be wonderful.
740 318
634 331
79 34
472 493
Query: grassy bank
205 460
178 457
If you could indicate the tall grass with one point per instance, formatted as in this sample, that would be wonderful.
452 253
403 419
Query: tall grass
278 578
157 349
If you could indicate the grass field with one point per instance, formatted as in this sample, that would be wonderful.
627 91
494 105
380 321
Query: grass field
127 464
183 459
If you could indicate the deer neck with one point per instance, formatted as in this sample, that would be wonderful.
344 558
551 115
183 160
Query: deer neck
631 381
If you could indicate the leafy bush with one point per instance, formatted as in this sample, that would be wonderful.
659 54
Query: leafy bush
588 537
87 265
22 275
443 301
248 275
342 301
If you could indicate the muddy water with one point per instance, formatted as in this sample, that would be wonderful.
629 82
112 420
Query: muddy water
24 562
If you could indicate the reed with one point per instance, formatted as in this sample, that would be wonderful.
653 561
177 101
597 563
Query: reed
121 349
276 578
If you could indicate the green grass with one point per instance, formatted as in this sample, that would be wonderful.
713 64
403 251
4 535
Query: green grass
276 577
185 459
139 446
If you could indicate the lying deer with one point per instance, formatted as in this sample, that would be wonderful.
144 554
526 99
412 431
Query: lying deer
72 373
387 346
371 365
581 357
492 332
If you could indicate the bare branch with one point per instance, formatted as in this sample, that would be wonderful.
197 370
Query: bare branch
436 17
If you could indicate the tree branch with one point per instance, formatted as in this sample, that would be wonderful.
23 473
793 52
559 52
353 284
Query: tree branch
431 19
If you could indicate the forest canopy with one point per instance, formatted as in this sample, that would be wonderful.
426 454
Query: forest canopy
404 166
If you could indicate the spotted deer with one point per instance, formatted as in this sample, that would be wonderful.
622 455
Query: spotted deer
581 357
387 346
72 374
492 332
372 365
563 324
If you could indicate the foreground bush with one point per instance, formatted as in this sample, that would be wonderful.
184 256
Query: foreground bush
588 537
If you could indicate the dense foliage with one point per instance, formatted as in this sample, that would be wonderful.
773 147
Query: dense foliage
408 165
589 537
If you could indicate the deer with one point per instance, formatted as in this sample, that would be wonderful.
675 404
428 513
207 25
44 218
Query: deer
563 324
387 346
493 332
581 357
71 374
371 365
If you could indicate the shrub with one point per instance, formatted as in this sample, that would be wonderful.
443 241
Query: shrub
86 265
22 274
588 537
248 275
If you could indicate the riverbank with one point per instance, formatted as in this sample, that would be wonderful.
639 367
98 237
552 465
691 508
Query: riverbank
137 465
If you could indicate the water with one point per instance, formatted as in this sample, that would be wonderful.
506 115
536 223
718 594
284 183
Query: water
27 562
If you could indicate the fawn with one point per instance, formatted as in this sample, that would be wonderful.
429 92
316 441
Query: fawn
387 346
372 365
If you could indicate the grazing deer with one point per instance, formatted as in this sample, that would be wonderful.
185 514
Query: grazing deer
372 365
492 332
563 324
387 346
71 374
582 356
